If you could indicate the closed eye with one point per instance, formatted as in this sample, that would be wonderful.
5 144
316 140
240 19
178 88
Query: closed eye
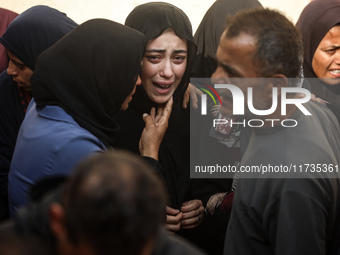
229 70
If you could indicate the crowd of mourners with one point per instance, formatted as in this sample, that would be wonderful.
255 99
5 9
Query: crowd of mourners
97 139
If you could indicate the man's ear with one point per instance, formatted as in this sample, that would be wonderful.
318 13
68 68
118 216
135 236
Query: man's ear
279 80
57 221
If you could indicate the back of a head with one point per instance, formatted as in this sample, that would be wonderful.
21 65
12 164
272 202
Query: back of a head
12 243
114 203
279 44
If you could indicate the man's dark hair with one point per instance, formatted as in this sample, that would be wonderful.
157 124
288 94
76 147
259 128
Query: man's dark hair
114 203
279 43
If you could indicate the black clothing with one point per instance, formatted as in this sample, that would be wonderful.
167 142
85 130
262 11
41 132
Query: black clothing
87 75
316 19
208 33
32 32
152 19
293 212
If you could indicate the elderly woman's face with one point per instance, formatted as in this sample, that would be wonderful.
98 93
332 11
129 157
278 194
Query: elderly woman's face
19 71
326 60
164 64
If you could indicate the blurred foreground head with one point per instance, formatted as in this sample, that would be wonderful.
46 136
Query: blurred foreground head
113 204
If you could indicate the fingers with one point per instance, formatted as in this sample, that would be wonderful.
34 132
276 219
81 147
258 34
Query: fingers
195 92
193 212
159 113
173 227
191 205
317 99
313 97
168 108
173 223
172 211
171 219
148 120
194 99
164 112
192 223
153 113
186 97
320 101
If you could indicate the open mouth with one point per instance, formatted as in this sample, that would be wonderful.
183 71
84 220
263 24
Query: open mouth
162 87
335 72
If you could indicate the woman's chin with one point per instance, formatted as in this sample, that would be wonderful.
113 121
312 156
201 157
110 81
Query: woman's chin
331 81
160 99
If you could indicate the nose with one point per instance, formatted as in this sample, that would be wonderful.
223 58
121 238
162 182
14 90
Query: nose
12 69
337 57
219 76
139 81
166 69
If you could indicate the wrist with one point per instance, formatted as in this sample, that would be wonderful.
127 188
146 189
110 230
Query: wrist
151 153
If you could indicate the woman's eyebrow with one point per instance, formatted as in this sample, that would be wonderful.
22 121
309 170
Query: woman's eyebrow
180 51
161 51
334 46
155 50
17 63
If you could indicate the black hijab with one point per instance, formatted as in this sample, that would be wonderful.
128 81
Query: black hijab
207 36
152 19
34 31
316 19
89 73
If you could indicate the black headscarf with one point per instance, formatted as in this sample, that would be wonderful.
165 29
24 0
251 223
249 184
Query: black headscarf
316 19
208 33
89 73
34 31
152 19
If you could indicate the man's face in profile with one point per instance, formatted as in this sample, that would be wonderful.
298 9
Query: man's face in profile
234 56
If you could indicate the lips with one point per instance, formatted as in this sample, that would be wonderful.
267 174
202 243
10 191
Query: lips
162 87
22 85
335 73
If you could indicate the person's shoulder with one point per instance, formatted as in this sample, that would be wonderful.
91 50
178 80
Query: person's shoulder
6 82
62 126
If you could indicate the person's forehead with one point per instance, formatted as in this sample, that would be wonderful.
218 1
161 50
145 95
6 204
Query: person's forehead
244 43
